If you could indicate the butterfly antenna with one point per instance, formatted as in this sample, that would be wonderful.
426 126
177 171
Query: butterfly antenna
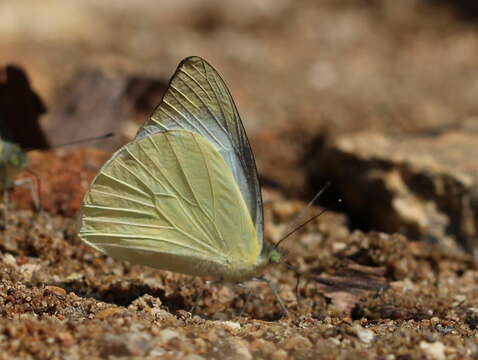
299 227
296 220
81 141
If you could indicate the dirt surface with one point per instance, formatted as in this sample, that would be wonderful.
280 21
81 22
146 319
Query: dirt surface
305 75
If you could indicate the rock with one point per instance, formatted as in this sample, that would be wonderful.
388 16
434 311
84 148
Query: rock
167 334
131 344
279 355
55 290
297 342
9 259
97 102
229 324
434 350
146 302
425 187
66 338
350 284
472 317
263 346
106 313
366 336
193 357
240 350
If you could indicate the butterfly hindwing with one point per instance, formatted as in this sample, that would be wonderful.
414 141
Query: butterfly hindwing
198 100
169 200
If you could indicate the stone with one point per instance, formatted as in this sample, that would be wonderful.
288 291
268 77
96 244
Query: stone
472 318
106 313
55 290
425 187
229 324
131 344
366 336
168 334
434 350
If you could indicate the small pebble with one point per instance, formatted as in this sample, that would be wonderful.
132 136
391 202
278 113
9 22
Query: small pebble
56 290
229 324
472 318
168 334
435 350
296 342
279 355
106 313
366 336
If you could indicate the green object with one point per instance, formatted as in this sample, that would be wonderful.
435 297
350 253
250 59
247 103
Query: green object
12 160
184 194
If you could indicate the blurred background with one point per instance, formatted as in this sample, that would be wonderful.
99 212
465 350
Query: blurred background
304 75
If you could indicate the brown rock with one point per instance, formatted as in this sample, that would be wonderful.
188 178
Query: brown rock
424 187
130 344
472 317
297 342
106 313
263 346
56 290
65 338
348 285
22 260
97 102
279 355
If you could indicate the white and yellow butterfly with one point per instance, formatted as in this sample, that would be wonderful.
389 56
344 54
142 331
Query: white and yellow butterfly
13 160
184 195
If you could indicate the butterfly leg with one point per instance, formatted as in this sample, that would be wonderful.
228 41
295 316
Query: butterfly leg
248 297
297 290
34 190
5 196
5 207
273 287
6 199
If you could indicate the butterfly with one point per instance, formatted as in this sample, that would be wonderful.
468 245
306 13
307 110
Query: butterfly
12 160
184 195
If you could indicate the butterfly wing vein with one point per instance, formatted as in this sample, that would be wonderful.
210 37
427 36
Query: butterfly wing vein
170 201
198 100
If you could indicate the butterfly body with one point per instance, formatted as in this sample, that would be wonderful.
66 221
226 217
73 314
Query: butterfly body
184 195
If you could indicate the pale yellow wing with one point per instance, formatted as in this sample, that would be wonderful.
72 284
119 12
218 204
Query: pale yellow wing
169 201
197 99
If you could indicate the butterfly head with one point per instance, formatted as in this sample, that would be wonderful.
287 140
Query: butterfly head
275 255
16 157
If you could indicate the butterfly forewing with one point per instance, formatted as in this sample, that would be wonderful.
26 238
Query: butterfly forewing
169 201
198 100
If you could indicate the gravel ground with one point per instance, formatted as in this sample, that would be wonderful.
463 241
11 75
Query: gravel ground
369 295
